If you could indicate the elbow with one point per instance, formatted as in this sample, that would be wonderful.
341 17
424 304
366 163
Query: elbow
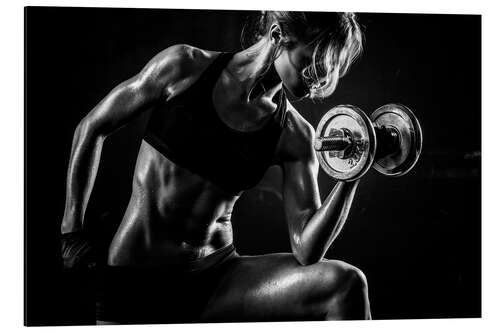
88 129
304 257
304 251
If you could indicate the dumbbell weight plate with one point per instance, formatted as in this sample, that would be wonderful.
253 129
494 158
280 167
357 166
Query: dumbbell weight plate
363 134
402 119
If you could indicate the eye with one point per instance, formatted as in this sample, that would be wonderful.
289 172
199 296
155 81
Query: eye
306 59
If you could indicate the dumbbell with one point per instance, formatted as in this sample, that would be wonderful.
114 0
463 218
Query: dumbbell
348 143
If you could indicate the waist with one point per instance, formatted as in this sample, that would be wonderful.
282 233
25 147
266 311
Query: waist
212 260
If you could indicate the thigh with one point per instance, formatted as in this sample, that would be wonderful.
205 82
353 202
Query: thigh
274 287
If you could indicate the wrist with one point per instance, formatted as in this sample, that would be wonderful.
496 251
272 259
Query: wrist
70 223
70 227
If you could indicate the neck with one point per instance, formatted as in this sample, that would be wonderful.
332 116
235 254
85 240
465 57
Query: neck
254 71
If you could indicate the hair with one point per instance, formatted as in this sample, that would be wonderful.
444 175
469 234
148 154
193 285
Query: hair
337 42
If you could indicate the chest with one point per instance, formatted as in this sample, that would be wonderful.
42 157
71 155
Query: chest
197 135
233 108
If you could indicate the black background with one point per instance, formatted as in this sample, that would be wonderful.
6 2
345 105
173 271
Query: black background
417 238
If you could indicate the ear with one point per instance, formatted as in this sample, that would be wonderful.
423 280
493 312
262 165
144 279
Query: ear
275 34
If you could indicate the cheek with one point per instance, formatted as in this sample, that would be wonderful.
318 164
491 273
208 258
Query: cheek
290 76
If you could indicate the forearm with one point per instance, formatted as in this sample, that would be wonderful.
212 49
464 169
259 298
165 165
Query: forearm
82 170
321 229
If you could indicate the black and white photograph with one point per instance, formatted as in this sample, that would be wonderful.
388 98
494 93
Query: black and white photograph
232 166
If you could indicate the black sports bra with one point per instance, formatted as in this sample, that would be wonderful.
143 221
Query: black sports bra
188 131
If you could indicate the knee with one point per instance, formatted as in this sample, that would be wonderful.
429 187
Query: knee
344 278
355 281
347 291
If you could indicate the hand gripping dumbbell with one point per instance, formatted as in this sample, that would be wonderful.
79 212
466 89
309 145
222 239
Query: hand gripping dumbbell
348 143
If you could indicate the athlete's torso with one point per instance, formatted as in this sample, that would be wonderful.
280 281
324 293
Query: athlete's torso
190 170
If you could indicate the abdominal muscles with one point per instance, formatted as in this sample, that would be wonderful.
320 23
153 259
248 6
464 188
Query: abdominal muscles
173 215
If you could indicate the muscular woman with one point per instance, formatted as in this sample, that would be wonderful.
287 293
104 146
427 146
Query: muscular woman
219 121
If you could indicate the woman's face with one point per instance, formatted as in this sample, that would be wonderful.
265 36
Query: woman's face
290 64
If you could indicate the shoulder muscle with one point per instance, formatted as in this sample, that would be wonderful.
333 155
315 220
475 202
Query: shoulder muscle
166 68
175 65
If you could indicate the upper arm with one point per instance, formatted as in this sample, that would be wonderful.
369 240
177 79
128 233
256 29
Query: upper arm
300 170
138 93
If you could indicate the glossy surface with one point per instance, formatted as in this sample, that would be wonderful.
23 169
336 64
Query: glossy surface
403 158
352 164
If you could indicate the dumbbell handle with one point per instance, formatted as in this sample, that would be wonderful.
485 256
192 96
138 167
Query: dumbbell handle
338 140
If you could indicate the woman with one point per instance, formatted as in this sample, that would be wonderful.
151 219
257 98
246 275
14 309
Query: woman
219 121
